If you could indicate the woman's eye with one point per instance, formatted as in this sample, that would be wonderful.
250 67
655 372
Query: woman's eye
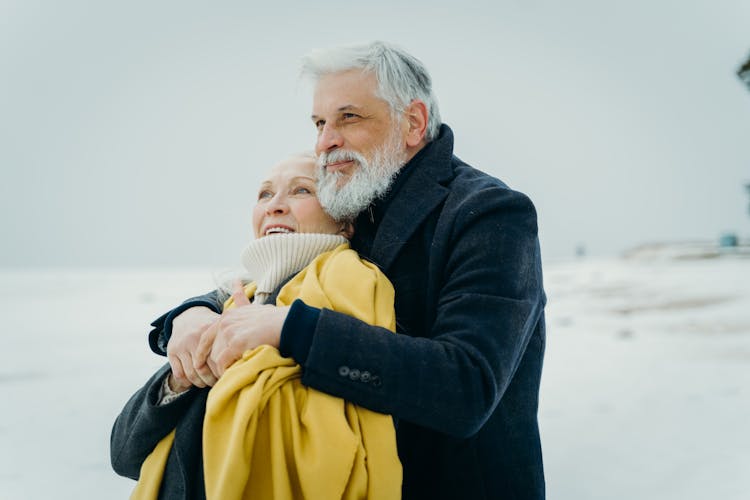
265 194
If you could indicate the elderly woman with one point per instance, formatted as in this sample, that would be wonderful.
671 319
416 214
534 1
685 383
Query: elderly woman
258 432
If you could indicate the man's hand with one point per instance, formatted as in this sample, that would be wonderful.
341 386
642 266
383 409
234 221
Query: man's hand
187 330
241 328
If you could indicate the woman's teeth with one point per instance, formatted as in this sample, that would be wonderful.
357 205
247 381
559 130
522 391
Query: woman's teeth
278 230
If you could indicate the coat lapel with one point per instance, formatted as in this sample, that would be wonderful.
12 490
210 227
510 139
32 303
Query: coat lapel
416 199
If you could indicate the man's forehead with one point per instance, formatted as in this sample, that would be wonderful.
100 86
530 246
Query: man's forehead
345 90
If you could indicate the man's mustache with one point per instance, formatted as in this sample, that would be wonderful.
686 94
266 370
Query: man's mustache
339 155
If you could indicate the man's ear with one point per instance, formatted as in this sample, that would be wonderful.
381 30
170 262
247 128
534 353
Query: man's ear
347 230
416 115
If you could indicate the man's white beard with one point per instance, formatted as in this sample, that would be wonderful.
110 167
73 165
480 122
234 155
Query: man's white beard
369 181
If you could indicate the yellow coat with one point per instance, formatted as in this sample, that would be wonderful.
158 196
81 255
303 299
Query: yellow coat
266 436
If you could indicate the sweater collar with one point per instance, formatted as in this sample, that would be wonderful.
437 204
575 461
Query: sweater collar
271 259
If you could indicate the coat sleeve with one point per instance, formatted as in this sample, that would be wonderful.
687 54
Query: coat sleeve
451 376
142 424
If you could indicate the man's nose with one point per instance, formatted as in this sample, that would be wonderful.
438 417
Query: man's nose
329 139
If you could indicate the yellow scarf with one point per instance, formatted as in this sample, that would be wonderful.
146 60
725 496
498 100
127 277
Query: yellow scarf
265 435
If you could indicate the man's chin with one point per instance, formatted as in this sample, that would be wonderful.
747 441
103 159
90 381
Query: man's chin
339 178
342 181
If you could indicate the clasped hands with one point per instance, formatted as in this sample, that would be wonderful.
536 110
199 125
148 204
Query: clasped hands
204 344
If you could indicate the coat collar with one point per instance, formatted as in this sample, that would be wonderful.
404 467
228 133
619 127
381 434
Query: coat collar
421 191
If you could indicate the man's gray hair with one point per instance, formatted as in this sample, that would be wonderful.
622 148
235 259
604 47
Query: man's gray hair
401 76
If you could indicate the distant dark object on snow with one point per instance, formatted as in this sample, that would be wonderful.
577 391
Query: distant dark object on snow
728 240
691 250
744 72
625 333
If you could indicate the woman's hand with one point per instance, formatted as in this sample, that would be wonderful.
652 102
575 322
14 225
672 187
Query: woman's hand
176 386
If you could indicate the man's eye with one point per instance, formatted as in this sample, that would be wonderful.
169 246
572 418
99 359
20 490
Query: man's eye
319 124
349 116
302 190
265 194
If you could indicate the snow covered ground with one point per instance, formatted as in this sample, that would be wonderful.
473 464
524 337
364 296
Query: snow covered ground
645 390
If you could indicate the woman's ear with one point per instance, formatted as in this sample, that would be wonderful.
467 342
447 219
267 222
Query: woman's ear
347 230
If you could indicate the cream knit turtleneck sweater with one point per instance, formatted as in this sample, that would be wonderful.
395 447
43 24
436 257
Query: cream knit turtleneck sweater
271 259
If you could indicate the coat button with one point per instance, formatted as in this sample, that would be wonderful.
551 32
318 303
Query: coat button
344 371
354 374
365 377
376 381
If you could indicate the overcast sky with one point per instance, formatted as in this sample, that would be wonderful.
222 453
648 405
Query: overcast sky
135 133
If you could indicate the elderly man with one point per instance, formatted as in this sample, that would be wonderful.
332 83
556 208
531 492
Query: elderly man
462 379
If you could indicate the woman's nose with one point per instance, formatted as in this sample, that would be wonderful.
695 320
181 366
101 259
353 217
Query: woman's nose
277 205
